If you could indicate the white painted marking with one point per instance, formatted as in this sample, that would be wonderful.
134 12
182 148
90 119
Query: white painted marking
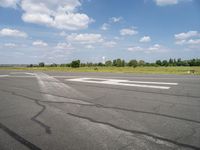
33 74
124 82
1 76
49 84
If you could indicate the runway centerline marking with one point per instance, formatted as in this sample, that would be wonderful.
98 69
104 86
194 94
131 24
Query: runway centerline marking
143 84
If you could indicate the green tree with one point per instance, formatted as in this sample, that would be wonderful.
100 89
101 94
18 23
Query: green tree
108 63
119 62
41 64
75 63
133 63
158 62
165 63
141 63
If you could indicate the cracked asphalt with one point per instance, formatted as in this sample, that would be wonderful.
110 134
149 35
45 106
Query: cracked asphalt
46 110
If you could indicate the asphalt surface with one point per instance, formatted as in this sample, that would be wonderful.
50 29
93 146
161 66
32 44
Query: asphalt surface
98 111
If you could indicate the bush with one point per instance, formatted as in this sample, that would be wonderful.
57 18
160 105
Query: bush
75 64
41 64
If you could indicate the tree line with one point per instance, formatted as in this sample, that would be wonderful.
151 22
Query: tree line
122 63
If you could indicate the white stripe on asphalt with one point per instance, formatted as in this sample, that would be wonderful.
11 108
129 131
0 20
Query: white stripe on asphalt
123 82
1 76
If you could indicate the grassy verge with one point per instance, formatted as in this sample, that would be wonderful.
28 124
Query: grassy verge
142 70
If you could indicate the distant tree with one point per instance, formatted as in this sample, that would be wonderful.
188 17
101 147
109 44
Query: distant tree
165 63
179 62
41 64
141 63
123 63
108 63
75 64
31 65
158 62
114 62
82 65
133 63
119 62
100 64
53 65
171 62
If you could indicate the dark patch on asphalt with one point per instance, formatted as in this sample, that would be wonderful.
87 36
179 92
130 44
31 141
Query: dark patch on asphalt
19 138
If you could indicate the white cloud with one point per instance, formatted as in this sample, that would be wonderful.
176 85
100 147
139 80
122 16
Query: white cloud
62 14
115 19
190 39
128 31
10 45
110 44
169 2
9 3
64 46
12 33
105 26
156 48
166 2
145 39
193 42
89 47
135 49
186 35
85 38
39 43
63 33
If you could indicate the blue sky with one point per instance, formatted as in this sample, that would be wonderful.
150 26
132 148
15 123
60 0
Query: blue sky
51 31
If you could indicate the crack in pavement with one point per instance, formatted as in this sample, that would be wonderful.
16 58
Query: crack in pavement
34 118
17 137
41 92
106 123
156 138
111 107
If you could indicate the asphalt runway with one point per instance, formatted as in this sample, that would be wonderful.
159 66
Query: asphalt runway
98 111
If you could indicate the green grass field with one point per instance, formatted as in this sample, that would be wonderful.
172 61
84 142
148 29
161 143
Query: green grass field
139 70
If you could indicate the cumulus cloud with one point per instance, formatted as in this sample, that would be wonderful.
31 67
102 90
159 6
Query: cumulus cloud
190 38
12 33
105 26
145 39
63 33
9 3
128 31
89 47
115 19
64 46
186 35
62 14
85 38
169 2
156 48
135 49
110 44
196 41
10 45
39 43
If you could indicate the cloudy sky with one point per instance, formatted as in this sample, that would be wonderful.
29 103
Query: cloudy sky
58 31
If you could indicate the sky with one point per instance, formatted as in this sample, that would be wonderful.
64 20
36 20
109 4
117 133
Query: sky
59 31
